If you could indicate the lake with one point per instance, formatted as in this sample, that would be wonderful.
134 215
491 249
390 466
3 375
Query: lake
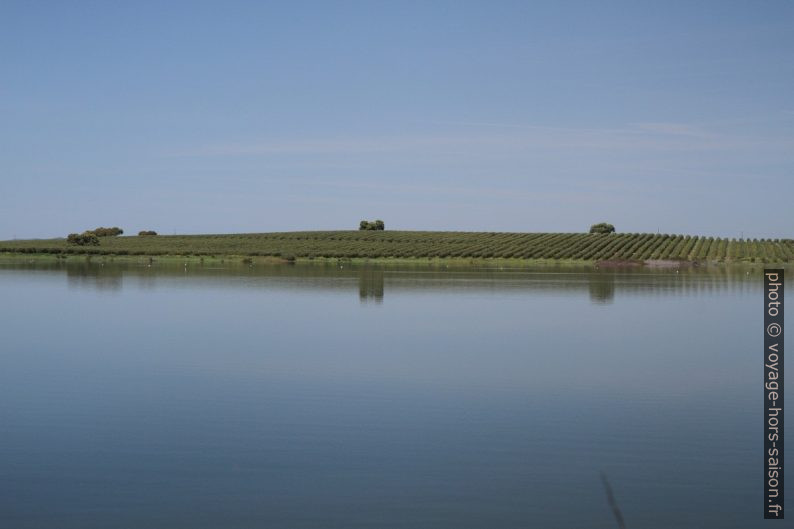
336 396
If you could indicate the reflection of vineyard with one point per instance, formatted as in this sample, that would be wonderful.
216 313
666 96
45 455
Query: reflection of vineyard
98 277
374 282
418 244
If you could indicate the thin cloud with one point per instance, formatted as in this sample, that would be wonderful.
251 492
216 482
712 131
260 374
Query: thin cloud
521 139
673 129
326 146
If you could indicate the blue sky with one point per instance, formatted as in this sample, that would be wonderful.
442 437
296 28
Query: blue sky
200 117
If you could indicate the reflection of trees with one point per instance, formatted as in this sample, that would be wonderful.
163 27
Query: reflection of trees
602 288
370 285
94 275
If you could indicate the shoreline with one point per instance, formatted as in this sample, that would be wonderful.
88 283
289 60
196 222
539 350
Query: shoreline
143 259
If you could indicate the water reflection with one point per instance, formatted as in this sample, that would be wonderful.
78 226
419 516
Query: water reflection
370 285
602 288
373 282
229 395
96 276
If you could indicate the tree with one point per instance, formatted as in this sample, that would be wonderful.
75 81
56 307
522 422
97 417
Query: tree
367 225
146 233
602 227
87 238
108 232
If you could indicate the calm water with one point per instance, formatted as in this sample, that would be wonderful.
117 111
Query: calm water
320 397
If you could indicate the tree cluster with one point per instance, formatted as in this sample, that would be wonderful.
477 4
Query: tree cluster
602 227
146 233
367 225
108 232
87 238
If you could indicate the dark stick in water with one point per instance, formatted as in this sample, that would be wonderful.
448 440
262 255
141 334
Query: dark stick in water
612 503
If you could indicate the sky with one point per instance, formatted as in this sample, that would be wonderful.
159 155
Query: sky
229 116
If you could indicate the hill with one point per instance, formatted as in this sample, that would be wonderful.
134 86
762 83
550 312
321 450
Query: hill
428 244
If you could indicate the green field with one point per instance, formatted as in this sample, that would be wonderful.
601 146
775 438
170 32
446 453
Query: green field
428 244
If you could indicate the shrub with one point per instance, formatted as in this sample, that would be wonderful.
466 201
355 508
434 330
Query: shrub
87 238
602 227
146 233
376 225
108 232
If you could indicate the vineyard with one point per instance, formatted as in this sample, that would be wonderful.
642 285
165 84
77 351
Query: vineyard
429 244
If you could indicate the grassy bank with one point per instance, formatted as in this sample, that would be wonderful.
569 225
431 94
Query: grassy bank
226 260
423 245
